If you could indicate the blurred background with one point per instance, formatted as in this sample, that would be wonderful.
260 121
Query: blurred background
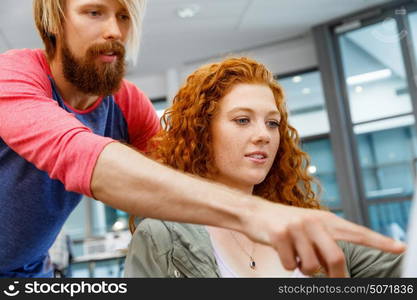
348 69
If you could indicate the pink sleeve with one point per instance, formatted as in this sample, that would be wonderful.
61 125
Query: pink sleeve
35 127
142 120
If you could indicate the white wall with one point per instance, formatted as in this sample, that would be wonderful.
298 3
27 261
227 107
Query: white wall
153 86
289 56
285 57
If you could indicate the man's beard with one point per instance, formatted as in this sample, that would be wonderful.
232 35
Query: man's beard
91 76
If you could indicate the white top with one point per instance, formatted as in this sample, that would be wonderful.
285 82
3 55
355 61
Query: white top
227 272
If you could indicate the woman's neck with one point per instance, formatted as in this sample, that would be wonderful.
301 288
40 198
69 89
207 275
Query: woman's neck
247 189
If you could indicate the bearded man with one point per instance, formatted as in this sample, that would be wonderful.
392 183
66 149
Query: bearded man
66 115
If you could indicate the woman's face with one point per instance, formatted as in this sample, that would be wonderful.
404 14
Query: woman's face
246 136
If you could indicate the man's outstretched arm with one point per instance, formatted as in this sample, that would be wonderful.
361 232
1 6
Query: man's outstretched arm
127 180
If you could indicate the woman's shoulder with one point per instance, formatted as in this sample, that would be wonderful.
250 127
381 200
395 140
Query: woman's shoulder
185 247
170 229
154 233
164 233
149 225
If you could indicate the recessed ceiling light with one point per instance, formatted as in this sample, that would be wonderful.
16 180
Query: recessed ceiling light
297 79
306 91
188 11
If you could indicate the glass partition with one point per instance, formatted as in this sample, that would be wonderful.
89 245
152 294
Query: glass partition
382 117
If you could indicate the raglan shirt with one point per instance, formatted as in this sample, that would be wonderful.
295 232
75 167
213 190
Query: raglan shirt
48 151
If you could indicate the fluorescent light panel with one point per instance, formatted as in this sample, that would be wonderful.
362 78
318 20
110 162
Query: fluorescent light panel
367 77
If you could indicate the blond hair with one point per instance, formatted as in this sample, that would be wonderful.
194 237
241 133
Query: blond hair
49 17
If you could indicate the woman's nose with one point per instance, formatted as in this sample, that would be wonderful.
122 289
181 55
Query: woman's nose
261 134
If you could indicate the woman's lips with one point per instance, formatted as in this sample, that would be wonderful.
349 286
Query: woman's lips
257 157
257 160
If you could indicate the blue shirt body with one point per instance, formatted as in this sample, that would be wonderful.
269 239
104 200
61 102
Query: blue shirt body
34 207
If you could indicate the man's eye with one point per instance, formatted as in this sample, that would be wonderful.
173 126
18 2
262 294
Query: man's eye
242 121
124 17
273 124
94 13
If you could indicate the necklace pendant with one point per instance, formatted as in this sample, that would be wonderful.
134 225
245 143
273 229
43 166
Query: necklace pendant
252 264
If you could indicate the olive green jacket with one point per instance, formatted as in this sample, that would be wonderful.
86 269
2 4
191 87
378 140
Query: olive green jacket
169 249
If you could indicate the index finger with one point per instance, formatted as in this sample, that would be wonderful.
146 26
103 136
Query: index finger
358 234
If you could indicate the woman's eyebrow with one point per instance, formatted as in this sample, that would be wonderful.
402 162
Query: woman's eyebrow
241 109
275 113
249 110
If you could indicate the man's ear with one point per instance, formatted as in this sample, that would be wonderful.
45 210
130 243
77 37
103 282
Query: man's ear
51 37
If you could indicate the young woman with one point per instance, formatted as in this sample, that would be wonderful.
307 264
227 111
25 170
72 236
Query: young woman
229 124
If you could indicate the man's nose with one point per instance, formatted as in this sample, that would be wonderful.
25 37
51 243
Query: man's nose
112 29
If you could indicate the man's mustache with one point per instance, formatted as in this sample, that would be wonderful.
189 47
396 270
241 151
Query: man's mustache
112 46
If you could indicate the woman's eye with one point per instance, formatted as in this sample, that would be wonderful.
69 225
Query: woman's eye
242 121
273 124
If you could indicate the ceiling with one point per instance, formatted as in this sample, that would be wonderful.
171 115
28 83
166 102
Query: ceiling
220 26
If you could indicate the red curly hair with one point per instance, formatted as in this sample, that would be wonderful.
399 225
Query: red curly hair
185 140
